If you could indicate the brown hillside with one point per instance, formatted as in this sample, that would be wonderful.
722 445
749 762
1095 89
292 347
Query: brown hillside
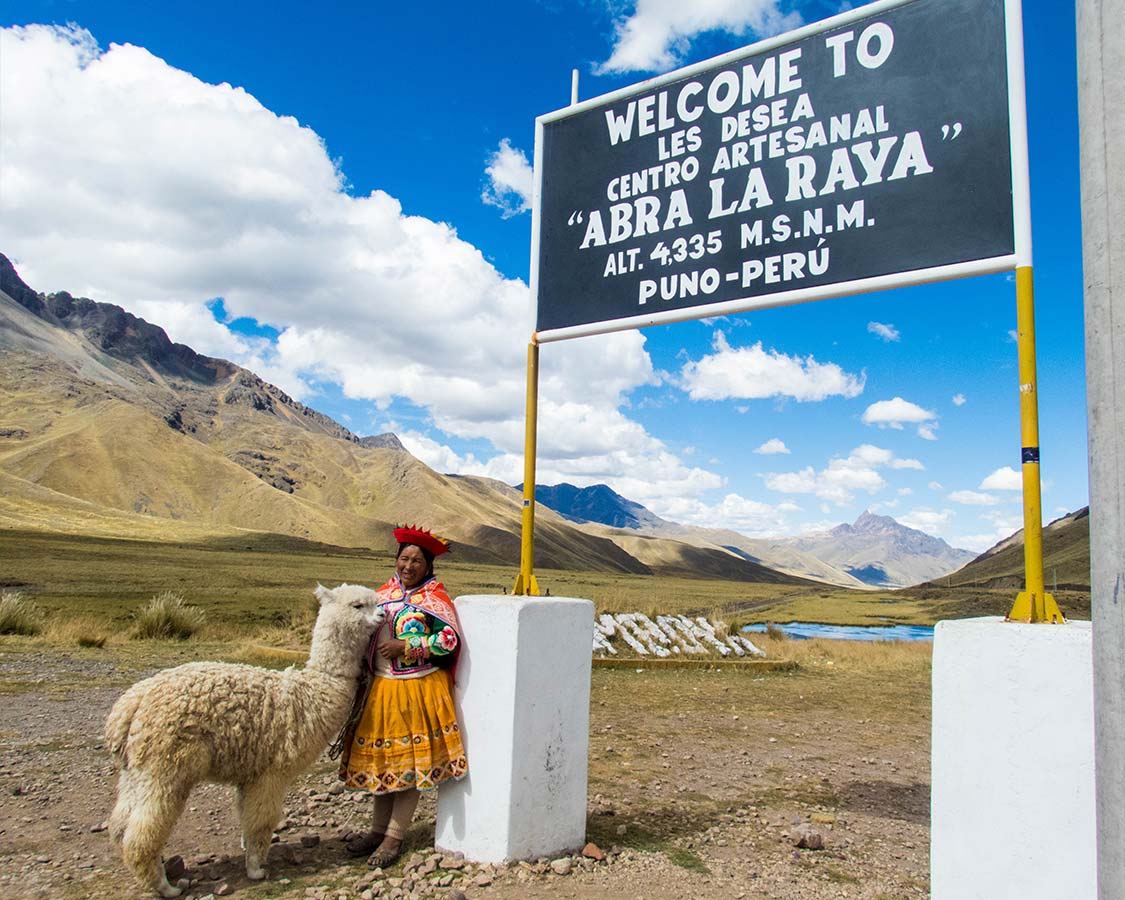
1066 558
107 427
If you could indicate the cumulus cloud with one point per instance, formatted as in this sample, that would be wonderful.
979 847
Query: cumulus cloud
1004 525
931 521
753 373
773 445
510 180
841 479
657 33
973 498
750 517
1003 479
958 399
180 192
896 412
887 332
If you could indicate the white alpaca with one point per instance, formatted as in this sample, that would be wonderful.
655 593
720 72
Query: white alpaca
253 728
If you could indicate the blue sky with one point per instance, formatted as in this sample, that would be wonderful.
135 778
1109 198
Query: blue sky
335 197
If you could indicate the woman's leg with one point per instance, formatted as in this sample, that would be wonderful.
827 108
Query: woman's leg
380 816
405 802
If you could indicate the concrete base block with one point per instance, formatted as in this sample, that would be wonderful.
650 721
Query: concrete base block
1012 804
523 698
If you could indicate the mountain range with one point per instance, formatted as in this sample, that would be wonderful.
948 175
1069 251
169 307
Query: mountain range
109 428
873 552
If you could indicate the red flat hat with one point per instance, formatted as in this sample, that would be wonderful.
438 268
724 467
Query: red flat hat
412 534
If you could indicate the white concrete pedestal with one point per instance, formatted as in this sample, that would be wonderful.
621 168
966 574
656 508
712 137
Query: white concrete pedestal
1012 804
523 700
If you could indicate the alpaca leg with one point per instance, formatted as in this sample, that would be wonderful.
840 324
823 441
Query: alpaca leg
119 818
260 805
155 809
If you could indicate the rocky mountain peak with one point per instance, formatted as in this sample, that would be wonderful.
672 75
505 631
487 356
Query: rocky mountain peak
388 440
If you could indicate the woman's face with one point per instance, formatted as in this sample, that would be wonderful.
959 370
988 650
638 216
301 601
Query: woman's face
411 566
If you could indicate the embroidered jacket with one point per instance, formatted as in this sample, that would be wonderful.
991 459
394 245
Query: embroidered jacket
425 619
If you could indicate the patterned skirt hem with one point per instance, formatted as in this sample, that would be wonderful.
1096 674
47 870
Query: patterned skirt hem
393 782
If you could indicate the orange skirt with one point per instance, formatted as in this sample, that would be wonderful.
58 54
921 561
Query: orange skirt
408 737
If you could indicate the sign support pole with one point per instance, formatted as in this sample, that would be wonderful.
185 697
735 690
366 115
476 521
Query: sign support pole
525 580
1033 604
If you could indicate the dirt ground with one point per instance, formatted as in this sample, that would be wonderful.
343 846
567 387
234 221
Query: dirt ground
701 784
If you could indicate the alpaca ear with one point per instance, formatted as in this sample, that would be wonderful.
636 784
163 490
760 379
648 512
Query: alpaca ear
323 594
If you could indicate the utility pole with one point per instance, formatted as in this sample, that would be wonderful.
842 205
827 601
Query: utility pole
1101 116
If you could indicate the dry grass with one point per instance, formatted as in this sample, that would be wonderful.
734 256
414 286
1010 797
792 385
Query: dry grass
168 617
18 615
853 657
83 631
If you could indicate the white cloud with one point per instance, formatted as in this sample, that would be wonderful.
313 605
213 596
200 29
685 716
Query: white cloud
896 412
959 400
1003 479
886 332
752 373
1004 525
510 180
658 32
905 492
437 456
908 464
973 498
931 521
734 511
773 445
978 543
179 192
935 486
840 479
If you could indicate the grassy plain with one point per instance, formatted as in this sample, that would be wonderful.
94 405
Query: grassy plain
246 584
703 770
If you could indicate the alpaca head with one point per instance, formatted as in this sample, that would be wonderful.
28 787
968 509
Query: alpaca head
348 615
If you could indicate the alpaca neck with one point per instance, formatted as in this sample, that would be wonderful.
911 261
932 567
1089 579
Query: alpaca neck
333 654
324 700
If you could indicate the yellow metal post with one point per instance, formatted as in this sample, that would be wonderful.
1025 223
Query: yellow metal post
1033 604
525 580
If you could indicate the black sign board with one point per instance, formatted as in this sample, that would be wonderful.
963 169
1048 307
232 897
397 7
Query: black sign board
812 165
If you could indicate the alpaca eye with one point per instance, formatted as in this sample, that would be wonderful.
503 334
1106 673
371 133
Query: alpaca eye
357 605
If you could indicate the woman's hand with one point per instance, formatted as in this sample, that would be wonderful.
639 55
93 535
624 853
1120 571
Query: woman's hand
391 648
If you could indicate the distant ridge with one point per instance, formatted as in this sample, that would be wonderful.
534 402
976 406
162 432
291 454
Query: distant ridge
386 441
1066 558
597 503
873 552
882 552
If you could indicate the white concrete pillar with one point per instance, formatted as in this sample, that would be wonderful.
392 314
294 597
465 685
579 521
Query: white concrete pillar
1101 119
523 698
1012 798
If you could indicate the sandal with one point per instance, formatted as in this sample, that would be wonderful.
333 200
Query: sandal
363 844
382 858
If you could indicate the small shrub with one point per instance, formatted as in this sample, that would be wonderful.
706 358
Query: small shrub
19 616
776 633
167 617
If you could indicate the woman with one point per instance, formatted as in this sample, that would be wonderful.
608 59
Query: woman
406 738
